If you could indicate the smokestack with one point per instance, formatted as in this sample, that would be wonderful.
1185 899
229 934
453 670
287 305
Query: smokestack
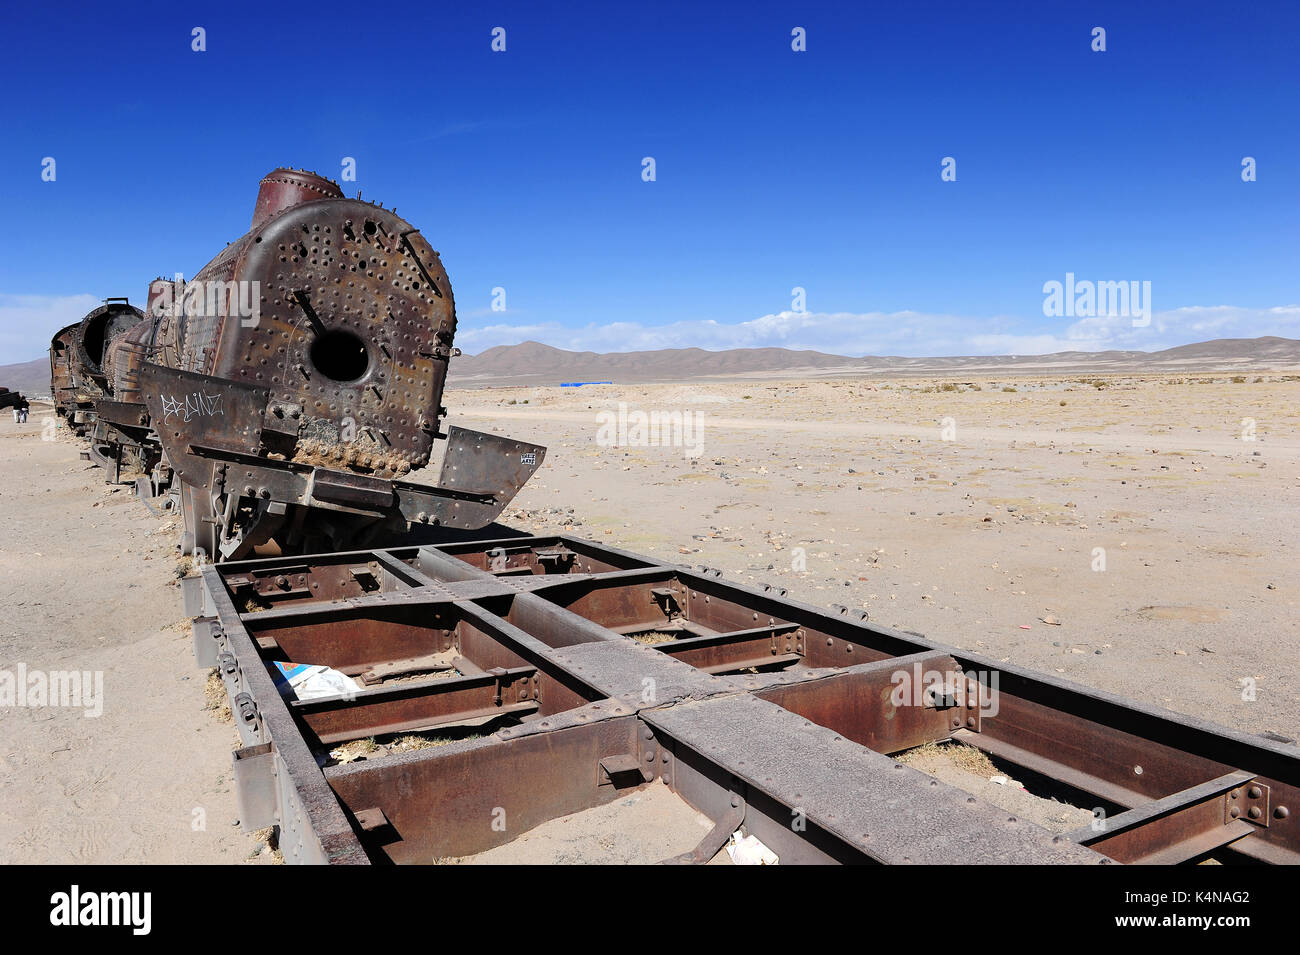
285 188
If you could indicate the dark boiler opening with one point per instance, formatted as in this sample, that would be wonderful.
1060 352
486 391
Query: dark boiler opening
339 355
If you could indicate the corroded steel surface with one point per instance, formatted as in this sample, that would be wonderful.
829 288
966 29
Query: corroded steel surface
354 324
282 188
63 387
129 352
93 345
291 384
762 713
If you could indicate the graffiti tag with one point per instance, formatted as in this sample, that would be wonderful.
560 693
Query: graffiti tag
196 405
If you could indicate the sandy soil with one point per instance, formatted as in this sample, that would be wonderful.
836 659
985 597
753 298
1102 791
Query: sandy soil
641 828
843 491
978 540
87 583
970 770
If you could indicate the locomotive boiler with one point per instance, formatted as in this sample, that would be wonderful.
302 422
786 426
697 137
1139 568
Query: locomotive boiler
295 384
80 376
63 389
122 439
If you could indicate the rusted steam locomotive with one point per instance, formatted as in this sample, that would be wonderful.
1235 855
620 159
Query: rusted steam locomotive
289 389
81 371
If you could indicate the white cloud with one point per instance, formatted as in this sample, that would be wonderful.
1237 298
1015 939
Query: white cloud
907 333
28 322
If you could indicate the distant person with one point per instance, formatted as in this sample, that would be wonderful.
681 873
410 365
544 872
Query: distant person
22 414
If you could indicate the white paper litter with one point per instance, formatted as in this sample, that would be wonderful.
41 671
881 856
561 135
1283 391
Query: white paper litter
747 850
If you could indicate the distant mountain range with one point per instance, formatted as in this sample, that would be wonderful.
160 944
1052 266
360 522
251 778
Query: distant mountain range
532 363
32 378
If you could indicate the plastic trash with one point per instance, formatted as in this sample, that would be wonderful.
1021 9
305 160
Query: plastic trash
306 681
746 850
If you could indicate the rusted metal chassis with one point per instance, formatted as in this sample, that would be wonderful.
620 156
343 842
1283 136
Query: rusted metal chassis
215 433
88 355
765 711
62 387
122 428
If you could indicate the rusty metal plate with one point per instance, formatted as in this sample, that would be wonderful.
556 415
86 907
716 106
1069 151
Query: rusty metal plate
801 750
189 409
488 464
351 490
123 413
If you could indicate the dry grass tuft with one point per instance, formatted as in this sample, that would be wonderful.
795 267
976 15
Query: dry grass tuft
215 699
651 637
964 757
412 741
354 750
253 603
270 836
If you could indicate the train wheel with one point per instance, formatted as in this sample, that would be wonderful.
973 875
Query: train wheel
103 455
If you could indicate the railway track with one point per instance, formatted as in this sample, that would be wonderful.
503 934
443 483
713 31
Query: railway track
553 675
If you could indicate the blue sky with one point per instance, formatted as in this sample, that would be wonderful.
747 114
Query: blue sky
774 168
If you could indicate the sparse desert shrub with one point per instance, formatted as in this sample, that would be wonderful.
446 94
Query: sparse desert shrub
1008 388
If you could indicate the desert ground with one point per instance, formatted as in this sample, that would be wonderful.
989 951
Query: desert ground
846 492
1134 533
88 583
